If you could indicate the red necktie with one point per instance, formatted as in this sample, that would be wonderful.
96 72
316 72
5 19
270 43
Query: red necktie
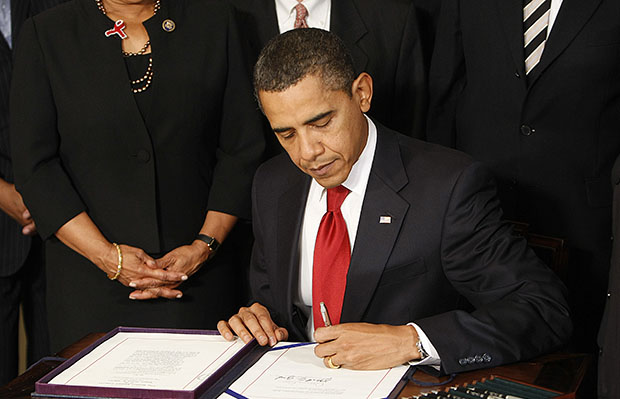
332 255
301 13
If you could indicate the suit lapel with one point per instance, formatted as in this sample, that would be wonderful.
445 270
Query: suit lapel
103 60
347 23
511 18
267 22
374 240
19 13
4 47
291 205
572 17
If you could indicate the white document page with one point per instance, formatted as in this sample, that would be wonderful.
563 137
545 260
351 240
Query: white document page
151 361
295 372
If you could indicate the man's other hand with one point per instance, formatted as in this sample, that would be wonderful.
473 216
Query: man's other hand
253 322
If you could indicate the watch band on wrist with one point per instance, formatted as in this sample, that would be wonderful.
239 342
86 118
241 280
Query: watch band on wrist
423 353
210 241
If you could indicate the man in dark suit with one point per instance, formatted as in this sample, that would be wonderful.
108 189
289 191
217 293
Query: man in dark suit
21 263
382 36
551 134
609 334
422 221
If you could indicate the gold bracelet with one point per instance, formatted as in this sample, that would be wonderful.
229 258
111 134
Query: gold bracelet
119 267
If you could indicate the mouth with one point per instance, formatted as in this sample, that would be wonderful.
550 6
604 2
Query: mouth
322 170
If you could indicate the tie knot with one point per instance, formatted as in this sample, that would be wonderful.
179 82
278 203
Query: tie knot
335 197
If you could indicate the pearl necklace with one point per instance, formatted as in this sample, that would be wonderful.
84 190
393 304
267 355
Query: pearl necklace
147 78
101 8
148 75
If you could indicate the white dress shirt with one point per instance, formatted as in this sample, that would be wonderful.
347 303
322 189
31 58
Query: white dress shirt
553 13
319 13
5 20
351 208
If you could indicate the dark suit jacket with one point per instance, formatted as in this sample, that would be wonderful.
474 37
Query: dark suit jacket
147 183
445 246
609 334
14 245
384 40
550 139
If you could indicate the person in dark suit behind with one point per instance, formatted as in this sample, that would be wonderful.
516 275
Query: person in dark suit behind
382 36
22 277
609 333
547 124
138 162
417 237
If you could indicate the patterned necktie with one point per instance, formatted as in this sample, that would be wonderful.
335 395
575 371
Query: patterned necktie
535 22
332 255
301 13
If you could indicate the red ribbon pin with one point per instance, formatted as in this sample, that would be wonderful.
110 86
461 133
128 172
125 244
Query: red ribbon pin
117 30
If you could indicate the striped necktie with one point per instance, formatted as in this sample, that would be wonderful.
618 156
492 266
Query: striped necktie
535 22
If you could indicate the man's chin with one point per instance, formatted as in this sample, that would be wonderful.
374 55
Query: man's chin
328 181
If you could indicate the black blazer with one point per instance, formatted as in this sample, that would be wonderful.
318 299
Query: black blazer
551 139
445 244
80 143
384 40
609 343
14 245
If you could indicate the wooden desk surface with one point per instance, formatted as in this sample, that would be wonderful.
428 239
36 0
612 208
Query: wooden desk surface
560 371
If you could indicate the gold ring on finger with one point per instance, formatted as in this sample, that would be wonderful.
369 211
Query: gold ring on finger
331 364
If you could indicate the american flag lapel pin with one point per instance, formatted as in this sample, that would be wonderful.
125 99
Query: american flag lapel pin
385 219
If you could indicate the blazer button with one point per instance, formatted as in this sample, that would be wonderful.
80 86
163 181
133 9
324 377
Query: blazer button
463 362
526 130
486 357
517 74
143 156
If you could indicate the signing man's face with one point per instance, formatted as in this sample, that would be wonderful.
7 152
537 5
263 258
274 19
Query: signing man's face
323 131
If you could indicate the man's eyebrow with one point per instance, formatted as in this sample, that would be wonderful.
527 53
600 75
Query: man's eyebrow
309 121
318 117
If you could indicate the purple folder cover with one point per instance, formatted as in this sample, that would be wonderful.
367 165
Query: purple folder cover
43 387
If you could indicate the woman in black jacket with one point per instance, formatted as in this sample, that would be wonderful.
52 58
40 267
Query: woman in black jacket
134 140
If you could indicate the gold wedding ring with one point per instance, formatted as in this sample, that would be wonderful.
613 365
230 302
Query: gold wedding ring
331 364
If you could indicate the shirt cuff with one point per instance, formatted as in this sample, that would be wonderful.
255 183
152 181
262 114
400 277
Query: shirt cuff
433 356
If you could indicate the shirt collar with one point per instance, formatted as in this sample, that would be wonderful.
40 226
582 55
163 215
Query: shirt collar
285 9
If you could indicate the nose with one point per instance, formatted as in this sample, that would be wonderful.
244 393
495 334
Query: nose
310 146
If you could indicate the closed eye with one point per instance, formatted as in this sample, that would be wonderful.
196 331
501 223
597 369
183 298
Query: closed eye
286 134
321 125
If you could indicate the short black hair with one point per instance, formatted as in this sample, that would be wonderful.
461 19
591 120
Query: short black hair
293 55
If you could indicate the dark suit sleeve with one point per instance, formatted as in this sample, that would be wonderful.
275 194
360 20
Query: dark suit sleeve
446 77
259 279
410 81
241 142
520 306
39 174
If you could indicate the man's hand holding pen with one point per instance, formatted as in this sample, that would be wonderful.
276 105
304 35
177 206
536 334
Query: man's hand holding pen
363 346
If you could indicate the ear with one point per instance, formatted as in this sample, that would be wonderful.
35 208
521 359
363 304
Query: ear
362 91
